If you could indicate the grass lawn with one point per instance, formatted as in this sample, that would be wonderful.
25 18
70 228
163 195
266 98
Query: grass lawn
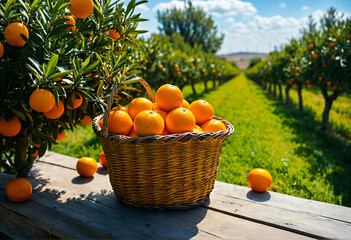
303 160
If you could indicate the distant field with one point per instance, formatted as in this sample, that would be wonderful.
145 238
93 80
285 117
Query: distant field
243 59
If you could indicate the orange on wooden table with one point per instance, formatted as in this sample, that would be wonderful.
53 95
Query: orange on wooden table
138 105
86 166
86 120
148 122
259 179
180 120
169 97
70 20
114 34
13 33
119 122
202 110
77 100
42 100
56 111
81 8
213 125
11 128
19 190
102 159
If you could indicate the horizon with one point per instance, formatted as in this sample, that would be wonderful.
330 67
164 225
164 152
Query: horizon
250 26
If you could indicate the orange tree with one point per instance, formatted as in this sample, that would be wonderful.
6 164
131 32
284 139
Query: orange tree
58 62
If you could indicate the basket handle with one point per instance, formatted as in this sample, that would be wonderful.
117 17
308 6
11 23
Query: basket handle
104 127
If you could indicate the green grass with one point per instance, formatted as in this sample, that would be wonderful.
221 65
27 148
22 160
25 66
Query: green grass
303 160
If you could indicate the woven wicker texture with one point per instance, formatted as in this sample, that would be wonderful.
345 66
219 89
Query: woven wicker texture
173 171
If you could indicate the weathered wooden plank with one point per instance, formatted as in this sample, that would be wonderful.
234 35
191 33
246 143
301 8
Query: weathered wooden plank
94 204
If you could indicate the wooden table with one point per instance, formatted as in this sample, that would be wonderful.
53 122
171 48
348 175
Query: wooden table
65 205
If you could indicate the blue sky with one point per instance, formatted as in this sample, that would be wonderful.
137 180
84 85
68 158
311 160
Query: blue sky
255 26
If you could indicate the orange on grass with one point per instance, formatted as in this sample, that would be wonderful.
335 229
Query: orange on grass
81 8
102 159
70 20
13 33
56 111
259 179
148 122
77 100
42 100
120 108
162 113
202 110
1 50
185 104
86 166
86 121
169 97
119 122
11 128
139 104
19 190
61 136
180 120
114 34
213 125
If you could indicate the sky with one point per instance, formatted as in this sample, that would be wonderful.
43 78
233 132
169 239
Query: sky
250 26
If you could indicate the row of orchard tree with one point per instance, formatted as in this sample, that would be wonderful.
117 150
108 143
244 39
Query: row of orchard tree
320 58
59 61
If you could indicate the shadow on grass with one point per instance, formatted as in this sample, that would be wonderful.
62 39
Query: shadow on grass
329 154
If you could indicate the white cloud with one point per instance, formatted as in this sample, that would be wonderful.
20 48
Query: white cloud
214 7
305 8
142 8
282 5
230 20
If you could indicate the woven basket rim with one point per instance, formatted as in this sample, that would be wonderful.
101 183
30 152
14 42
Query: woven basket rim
167 138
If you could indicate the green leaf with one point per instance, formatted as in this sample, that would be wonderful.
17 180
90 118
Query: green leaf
35 2
60 74
91 67
130 6
51 65
36 65
57 97
19 114
99 90
131 80
7 6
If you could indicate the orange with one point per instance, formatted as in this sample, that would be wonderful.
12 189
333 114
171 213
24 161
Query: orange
86 166
90 75
86 121
148 122
180 120
320 78
289 82
349 36
139 104
329 83
42 100
132 133
160 67
259 180
102 159
56 79
297 69
13 32
169 97
202 110
295 86
56 111
334 88
324 65
275 188
81 8
203 70
77 100
165 132
72 22
114 34
36 145
19 190
311 46
119 122
162 113
198 128
315 55
120 108
185 104
1 50
310 86
279 81
61 136
332 44
35 154
332 57
307 81
213 125
11 128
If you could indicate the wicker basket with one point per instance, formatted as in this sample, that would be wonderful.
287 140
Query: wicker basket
173 171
